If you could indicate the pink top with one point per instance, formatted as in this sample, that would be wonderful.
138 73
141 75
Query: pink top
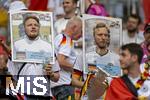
97 9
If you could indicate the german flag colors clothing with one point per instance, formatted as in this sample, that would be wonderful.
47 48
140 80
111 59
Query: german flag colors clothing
119 90
64 45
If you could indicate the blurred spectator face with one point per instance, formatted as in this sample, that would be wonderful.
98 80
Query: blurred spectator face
147 36
132 24
3 61
101 37
69 6
126 59
147 33
77 31
32 28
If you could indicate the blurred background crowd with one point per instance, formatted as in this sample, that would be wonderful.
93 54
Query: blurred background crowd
113 8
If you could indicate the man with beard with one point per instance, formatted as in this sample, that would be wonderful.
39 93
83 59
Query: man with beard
102 40
146 44
132 34
101 55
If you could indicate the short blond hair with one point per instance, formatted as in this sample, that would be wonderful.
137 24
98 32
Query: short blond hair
31 17
101 25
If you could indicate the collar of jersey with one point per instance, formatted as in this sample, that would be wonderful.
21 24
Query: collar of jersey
27 39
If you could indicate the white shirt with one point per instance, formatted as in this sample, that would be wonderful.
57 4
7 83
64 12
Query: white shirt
60 25
107 59
63 45
38 47
79 62
139 38
145 89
